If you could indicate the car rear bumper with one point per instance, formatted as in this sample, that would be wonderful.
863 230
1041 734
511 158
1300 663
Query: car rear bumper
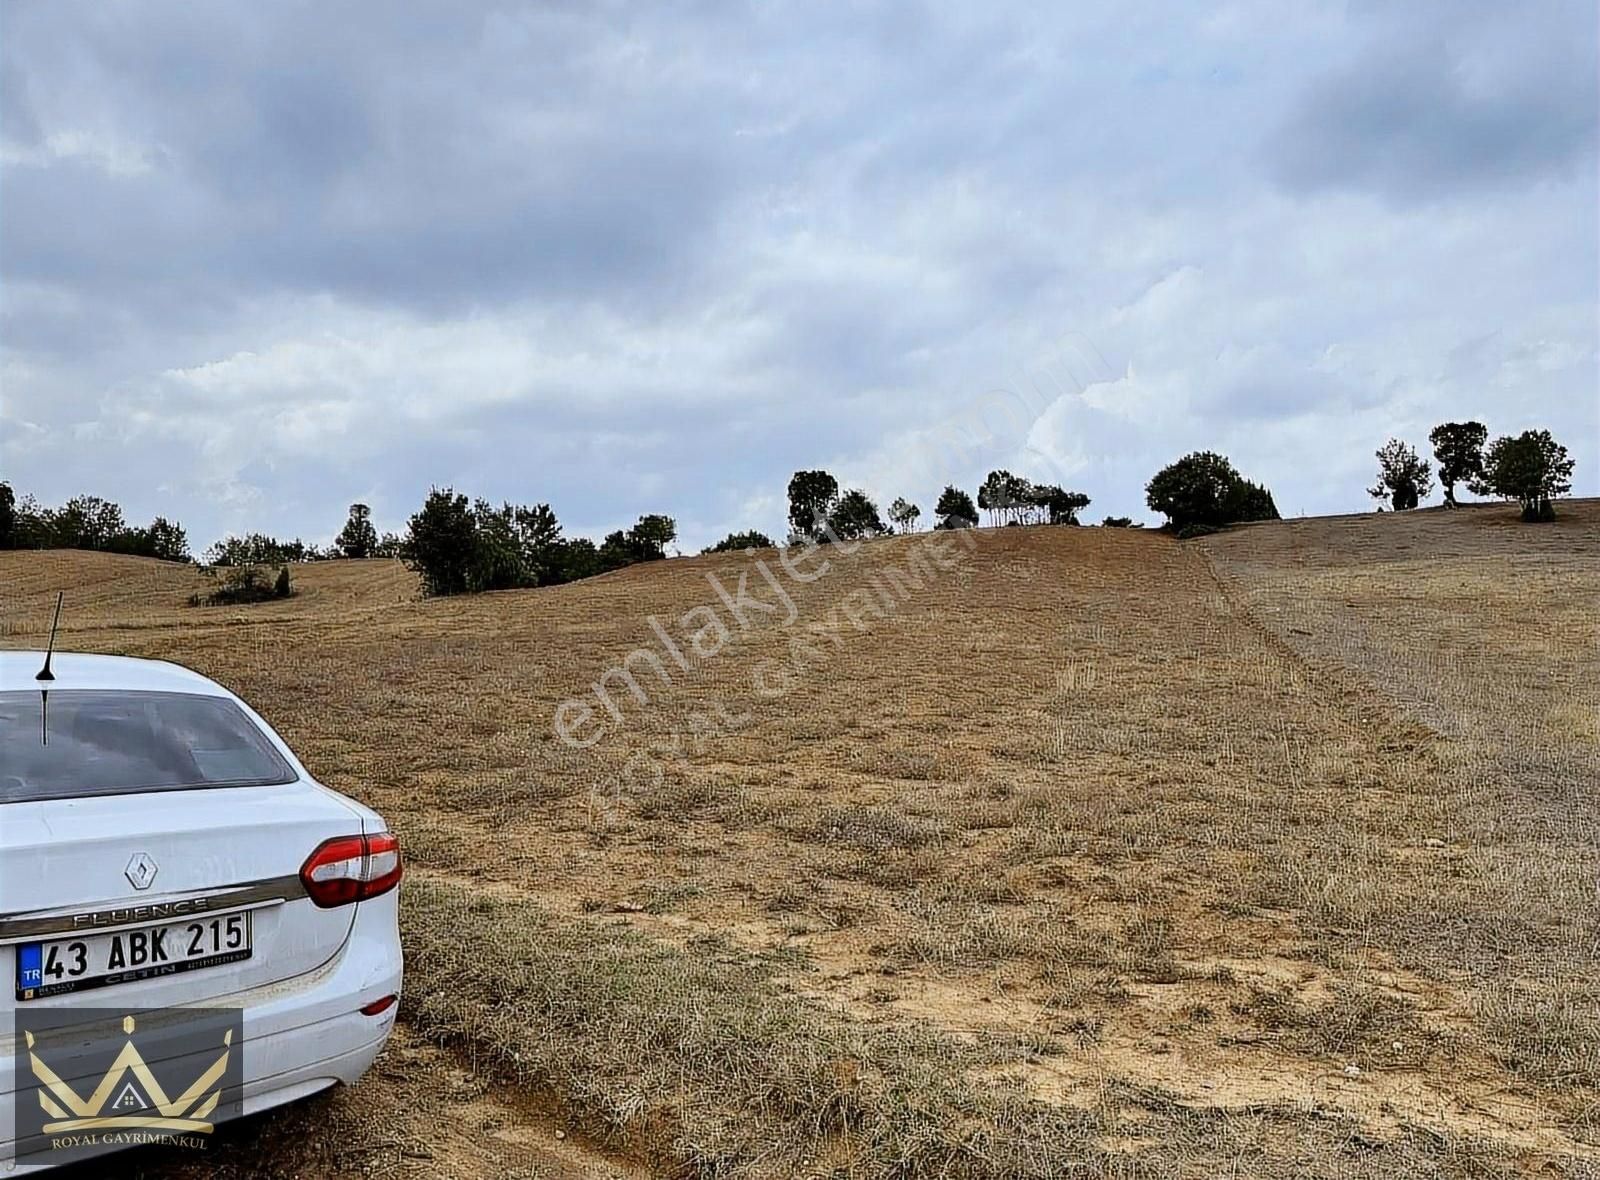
300 1036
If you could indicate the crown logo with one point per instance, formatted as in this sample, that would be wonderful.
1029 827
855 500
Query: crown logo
188 1112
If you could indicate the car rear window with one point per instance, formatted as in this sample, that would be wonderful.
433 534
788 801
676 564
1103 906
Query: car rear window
70 743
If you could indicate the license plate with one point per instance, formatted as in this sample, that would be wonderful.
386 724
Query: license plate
90 961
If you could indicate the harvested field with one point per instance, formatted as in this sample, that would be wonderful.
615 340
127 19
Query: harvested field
1048 850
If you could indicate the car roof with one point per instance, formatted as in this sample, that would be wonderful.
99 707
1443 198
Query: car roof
18 669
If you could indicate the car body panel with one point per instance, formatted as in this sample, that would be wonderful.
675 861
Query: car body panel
69 864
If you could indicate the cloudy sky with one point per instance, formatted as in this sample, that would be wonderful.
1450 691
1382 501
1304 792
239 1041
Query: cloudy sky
258 261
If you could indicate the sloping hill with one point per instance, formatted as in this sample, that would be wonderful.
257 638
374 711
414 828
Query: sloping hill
103 587
1482 626
112 591
988 855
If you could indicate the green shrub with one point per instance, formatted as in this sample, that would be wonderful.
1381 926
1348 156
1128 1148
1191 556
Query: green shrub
239 585
737 542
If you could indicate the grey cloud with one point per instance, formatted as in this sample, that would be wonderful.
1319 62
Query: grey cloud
258 260
364 159
1442 101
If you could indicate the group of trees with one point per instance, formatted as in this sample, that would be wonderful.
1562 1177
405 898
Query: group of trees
1198 493
358 539
903 514
86 522
739 542
1530 468
89 522
454 545
1010 499
819 511
955 509
239 585
459 547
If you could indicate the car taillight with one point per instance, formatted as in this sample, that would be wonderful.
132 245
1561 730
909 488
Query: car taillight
351 868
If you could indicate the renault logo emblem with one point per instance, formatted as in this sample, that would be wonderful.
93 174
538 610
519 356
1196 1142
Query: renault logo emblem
141 870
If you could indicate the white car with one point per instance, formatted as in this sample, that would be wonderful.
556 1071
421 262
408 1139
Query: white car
161 847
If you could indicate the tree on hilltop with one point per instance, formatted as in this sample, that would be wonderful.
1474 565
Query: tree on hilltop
955 506
812 496
1004 497
441 542
652 534
1404 479
738 542
1458 449
358 538
854 516
8 517
904 514
1531 468
1203 491
1057 506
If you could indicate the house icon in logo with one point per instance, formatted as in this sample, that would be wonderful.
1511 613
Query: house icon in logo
129 1099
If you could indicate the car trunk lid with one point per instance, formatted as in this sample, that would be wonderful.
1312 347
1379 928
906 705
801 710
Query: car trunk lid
70 865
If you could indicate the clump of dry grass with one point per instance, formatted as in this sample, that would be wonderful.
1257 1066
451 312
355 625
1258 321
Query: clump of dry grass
1354 1021
1548 1030
669 896
870 829
676 801
1149 948
893 871
947 927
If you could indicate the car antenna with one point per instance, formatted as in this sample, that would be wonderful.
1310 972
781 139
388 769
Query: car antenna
50 650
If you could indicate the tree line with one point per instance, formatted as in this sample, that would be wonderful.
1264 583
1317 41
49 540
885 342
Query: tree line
459 545
86 522
819 511
1199 492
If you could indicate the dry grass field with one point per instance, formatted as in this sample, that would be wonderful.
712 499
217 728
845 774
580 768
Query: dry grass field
1269 854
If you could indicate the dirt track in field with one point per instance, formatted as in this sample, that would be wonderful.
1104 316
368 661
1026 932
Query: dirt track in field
421 1112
